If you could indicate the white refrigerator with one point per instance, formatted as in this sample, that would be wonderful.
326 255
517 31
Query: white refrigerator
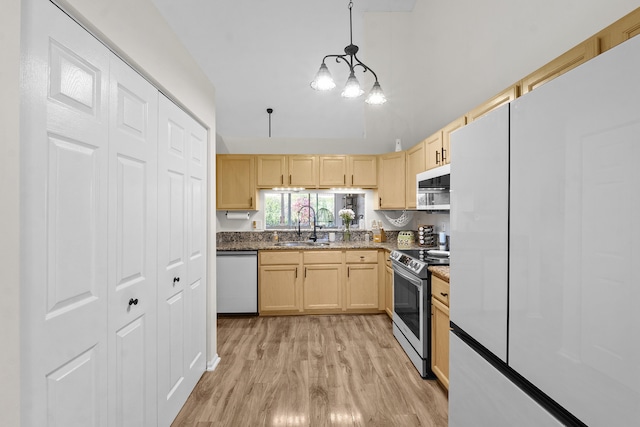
545 250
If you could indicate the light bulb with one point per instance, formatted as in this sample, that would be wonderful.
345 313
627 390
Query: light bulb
352 89
323 80
376 96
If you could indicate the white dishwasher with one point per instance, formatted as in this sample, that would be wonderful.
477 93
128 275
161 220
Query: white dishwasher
237 282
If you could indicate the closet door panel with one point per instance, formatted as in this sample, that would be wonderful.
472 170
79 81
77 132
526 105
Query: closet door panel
181 257
64 221
133 124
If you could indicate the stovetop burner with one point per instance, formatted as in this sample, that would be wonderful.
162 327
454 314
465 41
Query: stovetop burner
416 261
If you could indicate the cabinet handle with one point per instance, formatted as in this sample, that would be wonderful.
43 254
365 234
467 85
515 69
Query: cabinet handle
444 157
437 161
379 201
362 257
351 179
281 179
175 279
133 301
289 179
296 272
443 294
305 272
251 201
344 179
348 271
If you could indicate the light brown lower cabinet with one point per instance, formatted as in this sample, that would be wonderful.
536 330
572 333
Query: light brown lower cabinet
323 278
325 281
280 282
440 330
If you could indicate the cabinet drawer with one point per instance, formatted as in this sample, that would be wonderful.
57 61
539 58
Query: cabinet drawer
362 256
279 257
322 257
440 290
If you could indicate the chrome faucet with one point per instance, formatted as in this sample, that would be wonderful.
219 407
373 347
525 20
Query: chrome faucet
314 236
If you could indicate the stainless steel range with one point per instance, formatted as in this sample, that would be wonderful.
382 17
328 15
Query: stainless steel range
412 303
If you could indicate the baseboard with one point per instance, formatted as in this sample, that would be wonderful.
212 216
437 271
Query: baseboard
212 364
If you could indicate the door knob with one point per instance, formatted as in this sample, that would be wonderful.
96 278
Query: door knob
133 301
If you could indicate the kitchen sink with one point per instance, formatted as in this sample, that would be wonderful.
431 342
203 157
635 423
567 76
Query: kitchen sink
303 244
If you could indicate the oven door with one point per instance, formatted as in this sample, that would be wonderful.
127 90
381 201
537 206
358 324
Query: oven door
408 308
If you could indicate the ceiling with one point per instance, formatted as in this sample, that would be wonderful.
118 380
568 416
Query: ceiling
435 60
263 54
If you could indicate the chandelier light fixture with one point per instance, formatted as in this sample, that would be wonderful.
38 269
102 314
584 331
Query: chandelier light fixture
324 82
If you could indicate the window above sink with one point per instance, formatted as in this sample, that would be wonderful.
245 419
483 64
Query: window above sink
281 209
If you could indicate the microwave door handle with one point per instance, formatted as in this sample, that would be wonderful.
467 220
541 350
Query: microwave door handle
414 281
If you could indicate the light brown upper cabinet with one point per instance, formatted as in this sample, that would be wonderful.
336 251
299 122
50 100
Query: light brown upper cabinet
433 150
392 180
416 163
235 182
333 171
563 63
446 137
293 170
437 145
348 171
621 30
502 98
271 171
363 170
303 171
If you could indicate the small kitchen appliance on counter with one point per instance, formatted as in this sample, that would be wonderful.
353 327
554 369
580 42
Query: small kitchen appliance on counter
405 239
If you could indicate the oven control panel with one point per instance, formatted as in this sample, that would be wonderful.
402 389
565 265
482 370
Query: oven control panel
408 262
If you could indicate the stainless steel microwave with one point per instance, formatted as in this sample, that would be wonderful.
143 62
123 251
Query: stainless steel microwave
433 189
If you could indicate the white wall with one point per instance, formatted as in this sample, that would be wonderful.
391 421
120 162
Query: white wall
10 213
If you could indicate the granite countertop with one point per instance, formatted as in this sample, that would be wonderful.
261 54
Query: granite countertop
268 245
440 271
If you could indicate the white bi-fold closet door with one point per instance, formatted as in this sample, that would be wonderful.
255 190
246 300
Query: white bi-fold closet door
94 209
181 257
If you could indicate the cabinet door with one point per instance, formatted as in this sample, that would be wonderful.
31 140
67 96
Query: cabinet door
620 31
271 171
362 286
133 174
560 65
416 163
181 257
303 171
323 287
433 151
500 99
235 182
333 171
363 171
279 288
440 341
446 137
391 188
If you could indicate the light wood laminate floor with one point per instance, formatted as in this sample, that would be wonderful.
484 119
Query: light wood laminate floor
312 371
